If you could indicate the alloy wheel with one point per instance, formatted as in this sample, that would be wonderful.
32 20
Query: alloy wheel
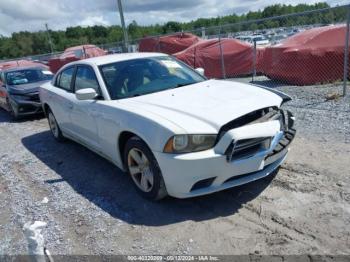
53 125
140 170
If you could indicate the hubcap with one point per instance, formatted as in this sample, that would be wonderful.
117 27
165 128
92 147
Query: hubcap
53 125
140 170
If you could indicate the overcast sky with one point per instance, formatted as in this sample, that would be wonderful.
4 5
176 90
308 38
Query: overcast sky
31 15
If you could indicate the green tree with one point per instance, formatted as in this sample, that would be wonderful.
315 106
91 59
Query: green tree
171 27
26 43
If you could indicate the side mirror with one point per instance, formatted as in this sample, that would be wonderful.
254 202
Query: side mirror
200 71
86 94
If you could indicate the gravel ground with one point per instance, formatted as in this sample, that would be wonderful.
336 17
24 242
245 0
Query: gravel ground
93 208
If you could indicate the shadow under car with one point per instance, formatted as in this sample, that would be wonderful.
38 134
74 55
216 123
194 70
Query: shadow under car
112 190
5 117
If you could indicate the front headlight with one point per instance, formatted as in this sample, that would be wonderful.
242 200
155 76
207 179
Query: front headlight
189 143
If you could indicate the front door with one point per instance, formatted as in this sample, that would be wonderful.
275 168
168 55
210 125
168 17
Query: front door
85 113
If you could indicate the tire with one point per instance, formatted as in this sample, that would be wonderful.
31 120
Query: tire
146 168
54 127
13 113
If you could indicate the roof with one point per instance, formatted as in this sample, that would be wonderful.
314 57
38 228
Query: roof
107 59
84 50
80 47
19 68
20 63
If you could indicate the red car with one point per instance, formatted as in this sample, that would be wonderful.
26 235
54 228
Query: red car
19 89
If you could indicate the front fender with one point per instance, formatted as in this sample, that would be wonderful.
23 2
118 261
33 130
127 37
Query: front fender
152 129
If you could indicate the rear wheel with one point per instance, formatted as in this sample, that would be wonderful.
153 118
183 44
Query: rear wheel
144 170
55 129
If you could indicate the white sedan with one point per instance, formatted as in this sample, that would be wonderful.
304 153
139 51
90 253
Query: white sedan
172 130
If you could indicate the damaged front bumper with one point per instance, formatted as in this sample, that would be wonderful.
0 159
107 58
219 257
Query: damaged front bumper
27 104
224 166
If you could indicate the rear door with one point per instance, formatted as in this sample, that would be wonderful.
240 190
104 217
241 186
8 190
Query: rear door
85 113
61 100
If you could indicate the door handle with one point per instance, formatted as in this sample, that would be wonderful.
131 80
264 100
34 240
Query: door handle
70 105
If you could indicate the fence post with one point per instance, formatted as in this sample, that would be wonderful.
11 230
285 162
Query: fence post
158 45
194 58
203 32
84 52
254 62
223 70
346 53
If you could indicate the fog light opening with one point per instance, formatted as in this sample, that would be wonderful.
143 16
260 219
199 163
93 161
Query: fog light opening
203 183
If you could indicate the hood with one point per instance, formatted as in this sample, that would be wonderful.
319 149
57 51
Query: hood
25 88
205 107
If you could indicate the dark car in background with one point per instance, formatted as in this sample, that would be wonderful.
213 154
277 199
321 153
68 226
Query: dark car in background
19 89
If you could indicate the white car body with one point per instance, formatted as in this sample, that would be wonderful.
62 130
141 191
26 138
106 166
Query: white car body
203 108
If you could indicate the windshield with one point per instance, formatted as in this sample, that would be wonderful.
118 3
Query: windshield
27 76
147 75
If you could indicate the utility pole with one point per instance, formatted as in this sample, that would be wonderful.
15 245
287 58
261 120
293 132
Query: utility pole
121 13
49 37
346 54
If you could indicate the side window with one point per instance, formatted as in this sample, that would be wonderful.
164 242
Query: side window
2 81
86 78
65 79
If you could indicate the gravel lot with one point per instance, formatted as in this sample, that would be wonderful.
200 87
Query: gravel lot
93 208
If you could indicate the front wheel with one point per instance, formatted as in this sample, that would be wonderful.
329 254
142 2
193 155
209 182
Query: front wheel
143 168
55 129
12 111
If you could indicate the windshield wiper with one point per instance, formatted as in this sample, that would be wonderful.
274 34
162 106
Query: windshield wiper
181 85
147 93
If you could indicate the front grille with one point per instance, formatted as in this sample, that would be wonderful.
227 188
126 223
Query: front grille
33 97
246 148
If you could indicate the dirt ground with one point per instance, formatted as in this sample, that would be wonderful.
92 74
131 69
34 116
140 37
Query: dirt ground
93 209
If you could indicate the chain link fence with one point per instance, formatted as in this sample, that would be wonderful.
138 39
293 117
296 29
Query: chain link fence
309 48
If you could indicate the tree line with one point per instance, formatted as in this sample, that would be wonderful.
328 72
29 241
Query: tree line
25 43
